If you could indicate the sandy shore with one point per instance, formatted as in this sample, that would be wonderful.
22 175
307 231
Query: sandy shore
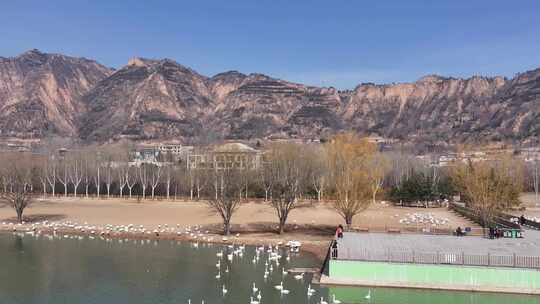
255 222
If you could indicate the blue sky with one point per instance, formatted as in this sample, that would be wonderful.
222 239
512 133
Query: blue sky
330 43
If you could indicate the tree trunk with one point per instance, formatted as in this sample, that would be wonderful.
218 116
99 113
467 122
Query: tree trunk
348 221
282 222
19 215
281 227
227 228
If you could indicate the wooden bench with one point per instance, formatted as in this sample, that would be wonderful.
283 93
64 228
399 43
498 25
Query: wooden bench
362 229
393 230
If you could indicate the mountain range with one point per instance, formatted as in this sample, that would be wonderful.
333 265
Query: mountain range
45 94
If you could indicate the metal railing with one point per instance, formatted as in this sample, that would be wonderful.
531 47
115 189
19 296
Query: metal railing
475 217
446 258
527 222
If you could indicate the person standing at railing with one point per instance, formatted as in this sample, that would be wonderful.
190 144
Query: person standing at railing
339 232
334 250
459 232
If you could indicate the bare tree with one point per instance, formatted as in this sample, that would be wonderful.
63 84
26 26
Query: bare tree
42 173
130 179
122 172
264 179
20 195
377 167
317 164
63 175
108 176
76 173
96 170
198 179
155 178
287 172
536 181
143 178
86 175
51 173
229 188
169 175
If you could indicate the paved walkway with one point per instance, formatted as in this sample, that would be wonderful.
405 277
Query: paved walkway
353 244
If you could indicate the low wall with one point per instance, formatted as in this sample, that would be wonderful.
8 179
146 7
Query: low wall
448 277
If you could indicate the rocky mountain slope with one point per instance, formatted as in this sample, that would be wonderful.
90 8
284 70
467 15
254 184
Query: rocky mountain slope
161 99
40 93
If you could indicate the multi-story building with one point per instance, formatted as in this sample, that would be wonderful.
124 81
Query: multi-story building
229 155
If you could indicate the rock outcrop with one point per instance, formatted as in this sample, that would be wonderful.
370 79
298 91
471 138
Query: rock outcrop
40 94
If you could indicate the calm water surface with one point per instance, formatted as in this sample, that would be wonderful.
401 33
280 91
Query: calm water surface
72 270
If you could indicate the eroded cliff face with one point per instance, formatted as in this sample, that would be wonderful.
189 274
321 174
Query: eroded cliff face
433 108
161 99
41 93
261 106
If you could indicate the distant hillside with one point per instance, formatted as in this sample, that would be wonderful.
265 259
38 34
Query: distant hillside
42 94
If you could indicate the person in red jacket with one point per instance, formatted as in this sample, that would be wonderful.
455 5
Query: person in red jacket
339 232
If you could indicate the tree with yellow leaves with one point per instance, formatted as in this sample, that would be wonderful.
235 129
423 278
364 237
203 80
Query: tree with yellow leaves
488 187
353 174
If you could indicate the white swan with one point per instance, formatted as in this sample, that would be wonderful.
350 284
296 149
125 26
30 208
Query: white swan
310 291
224 290
368 296
218 275
334 300
323 301
299 276
254 288
251 301
280 286
259 297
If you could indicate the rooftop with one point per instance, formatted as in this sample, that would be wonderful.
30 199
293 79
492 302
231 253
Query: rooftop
354 245
234 147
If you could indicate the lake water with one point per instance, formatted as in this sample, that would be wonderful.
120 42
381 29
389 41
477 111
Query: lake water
41 269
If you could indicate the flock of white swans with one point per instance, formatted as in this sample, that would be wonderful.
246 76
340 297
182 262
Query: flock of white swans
271 255
272 258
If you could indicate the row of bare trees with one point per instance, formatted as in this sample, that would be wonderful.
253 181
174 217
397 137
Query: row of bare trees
347 171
